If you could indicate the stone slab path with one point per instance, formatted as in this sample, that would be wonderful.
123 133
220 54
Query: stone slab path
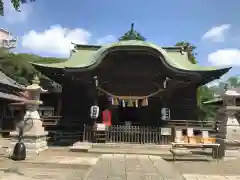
132 167
87 161
210 177
42 174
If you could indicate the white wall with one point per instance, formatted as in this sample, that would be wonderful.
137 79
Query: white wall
6 36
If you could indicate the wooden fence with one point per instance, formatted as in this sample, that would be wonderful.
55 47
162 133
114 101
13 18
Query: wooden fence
130 134
123 133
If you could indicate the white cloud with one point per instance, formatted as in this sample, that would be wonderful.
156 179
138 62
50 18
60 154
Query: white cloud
107 39
225 57
217 33
12 16
55 41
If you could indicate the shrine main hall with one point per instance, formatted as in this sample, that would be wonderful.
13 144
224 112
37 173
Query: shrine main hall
138 81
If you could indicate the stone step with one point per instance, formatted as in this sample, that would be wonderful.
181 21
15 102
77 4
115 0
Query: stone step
118 148
80 147
130 146
128 151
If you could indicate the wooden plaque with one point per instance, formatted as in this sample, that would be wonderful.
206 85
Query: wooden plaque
166 131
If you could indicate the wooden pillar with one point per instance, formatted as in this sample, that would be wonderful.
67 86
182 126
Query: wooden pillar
2 112
59 105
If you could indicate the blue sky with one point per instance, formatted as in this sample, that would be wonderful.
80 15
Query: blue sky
161 22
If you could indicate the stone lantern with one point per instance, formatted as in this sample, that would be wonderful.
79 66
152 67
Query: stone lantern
229 129
34 136
231 125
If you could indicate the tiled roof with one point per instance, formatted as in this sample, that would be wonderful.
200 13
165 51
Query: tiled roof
11 97
88 56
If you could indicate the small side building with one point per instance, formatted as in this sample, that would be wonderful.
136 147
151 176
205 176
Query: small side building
10 92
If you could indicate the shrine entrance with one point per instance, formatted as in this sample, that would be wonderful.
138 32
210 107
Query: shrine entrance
142 112
129 114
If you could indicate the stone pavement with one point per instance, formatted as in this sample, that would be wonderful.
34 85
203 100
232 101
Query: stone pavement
146 167
132 167
223 168
41 173
86 161
52 164
210 177
60 164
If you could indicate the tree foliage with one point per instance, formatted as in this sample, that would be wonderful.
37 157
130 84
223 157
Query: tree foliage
17 66
190 48
16 4
233 82
205 112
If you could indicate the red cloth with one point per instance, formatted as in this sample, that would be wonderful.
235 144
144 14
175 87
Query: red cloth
107 117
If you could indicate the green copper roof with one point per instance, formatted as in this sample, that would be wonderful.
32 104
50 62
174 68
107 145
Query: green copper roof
83 57
80 58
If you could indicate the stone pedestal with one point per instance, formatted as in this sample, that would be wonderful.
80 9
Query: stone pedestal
229 129
35 140
34 136
231 124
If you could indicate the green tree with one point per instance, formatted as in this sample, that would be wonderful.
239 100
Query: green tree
233 81
190 48
205 112
17 66
16 4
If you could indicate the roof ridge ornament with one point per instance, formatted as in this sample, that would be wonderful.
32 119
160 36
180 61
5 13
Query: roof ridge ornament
132 35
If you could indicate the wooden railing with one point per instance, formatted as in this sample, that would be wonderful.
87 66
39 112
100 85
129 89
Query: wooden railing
196 124
130 134
53 120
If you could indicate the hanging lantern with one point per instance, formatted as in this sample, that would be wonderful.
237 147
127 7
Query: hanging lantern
130 103
94 112
165 113
144 102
